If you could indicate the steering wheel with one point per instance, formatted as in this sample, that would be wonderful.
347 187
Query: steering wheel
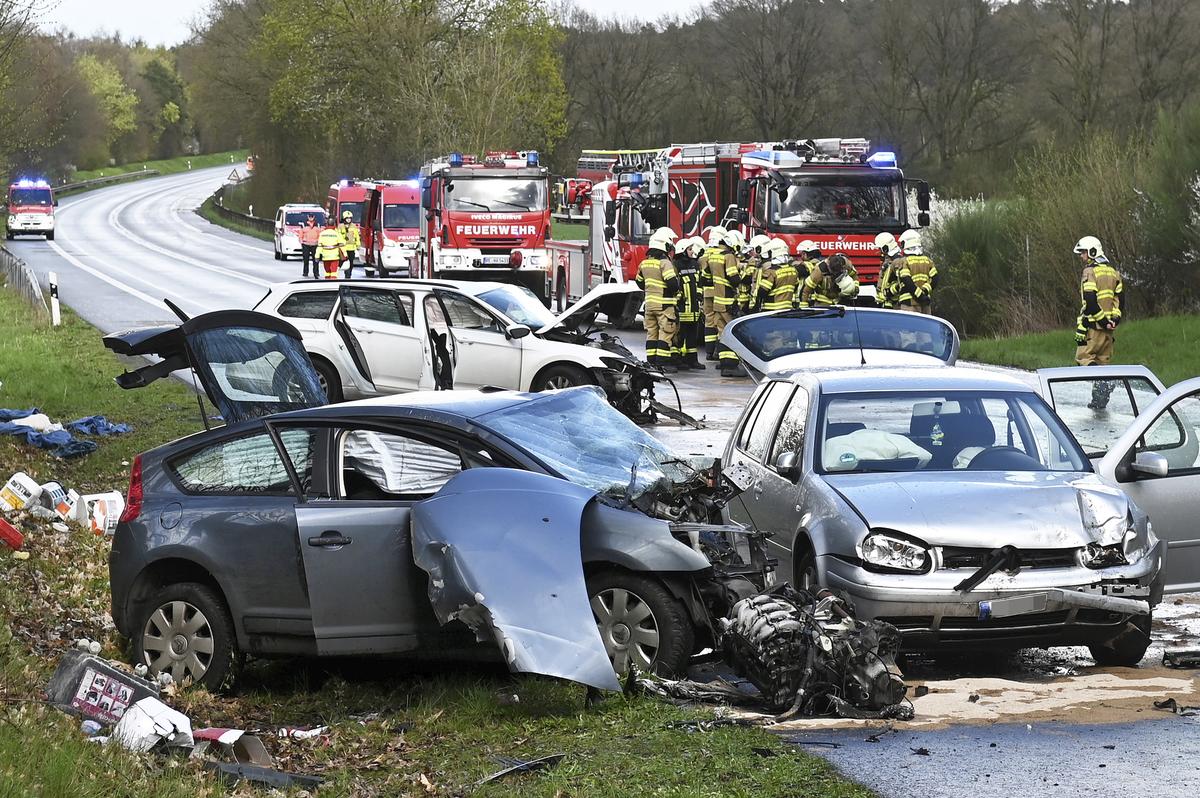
992 458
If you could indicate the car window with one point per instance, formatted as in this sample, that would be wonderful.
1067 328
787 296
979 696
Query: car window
309 305
249 464
790 437
298 445
1174 435
1098 411
406 305
375 306
466 315
763 426
384 465
744 434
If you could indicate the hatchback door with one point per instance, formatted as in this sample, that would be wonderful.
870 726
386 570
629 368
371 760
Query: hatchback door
378 330
1157 462
1098 403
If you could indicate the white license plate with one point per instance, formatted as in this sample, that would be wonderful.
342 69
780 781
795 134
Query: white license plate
494 260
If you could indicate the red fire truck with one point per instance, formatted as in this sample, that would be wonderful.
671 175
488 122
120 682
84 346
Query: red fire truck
835 191
30 207
347 195
487 220
391 227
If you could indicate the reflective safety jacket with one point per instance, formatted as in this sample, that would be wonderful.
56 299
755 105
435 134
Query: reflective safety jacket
726 274
690 295
310 235
1101 290
822 289
706 278
917 278
350 235
657 277
331 245
779 292
888 289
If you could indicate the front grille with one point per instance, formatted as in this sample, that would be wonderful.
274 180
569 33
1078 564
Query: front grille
495 251
504 243
962 557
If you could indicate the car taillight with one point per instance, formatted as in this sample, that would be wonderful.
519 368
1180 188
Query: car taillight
133 502
515 260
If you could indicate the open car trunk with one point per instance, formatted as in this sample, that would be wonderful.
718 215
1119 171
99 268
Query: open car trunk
249 364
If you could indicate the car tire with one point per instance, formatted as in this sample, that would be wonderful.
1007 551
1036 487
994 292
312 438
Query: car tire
560 290
50 236
1127 648
662 637
8 236
331 382
804 568
186 631
560 376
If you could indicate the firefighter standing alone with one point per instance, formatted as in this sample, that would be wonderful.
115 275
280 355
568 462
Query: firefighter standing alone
689 303
657 277
331 249
352 239
1101 291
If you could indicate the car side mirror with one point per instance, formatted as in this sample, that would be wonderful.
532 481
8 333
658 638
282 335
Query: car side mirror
1151 464
787 464
516 331
923 196
610 233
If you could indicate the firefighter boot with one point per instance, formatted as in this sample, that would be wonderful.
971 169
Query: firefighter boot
1101 391
693 362
710 352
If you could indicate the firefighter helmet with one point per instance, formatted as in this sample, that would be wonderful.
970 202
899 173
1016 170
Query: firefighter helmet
1090 246
667 233
347 216
660 240
757 241
716 234
734 239
775 248
910 241
886 243
694 243
808 245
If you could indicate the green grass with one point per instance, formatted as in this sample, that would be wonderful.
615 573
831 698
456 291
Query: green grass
394 727
209 212
564 231
235 159
1165 344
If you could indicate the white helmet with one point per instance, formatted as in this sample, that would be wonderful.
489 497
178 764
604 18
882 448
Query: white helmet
886 243
757 241
667 233
660 240
910 241
807 245
716 234
734 239
1091 246
775 248
695 243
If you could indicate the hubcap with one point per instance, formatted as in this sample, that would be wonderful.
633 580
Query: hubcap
558 383
177 639
324 383
627 627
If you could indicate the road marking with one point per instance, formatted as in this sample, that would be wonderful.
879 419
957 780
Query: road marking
78 264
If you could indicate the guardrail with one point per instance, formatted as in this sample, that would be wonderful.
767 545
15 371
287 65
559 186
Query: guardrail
103 181
255 222
20 278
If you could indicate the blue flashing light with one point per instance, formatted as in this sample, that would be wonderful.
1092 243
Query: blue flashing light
27 183
531 159
456 159
882 160
637 179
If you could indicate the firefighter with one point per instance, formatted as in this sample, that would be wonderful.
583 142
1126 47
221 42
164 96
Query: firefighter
350 235
310 233
889 253
656 276
780 290
713 251
751 260
331 248
915 274
1101 291
833 282
726 273
689 303
809 254
764 278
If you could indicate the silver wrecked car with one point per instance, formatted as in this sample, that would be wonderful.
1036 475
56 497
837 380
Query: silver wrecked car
952 503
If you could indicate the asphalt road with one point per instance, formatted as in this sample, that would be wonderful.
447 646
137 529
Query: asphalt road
121 250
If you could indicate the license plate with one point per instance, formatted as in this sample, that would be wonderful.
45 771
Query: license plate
495 260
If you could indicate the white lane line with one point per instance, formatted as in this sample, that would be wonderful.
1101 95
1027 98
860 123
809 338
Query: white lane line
78 264
182 213
122 230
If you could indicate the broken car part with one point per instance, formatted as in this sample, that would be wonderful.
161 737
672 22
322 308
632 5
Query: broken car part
514 765
1181 657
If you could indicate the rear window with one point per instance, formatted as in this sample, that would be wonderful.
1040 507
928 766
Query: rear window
242 465
309 305
299 218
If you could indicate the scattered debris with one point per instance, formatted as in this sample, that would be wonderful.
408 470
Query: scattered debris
1182 657
90 728
879 735
18 492
1170 705
233 744
20 555
11 536
973 697
821 743
232 773
1109 747
685 690
301 734
809 655
150 723
920 751
764 752
707 724
514 765
86 685
921 690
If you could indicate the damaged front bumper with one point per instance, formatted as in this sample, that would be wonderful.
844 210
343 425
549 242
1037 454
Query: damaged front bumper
1034 607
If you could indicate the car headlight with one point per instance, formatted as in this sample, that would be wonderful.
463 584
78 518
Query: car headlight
880 550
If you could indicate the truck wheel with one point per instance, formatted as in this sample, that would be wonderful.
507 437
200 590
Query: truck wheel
1127 648
186 631
641 623
560 376
50 236
8 236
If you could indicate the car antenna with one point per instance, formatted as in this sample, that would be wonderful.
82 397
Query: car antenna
171 306
862 356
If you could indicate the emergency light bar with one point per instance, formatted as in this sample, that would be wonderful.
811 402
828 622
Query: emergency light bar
456 159
882 160
531 158
27 183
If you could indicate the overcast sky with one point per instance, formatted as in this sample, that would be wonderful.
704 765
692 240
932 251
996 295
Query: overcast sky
168 21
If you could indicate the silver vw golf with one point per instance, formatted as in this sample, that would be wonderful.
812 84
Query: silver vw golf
952 503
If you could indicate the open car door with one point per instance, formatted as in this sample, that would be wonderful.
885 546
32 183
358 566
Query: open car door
1099 403
1157 462
354 348
250 364
837 336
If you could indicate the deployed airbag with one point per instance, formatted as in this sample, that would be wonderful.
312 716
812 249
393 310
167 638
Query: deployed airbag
502 551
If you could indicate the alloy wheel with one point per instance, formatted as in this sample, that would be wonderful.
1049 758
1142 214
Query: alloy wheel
178 640
628 628
559 382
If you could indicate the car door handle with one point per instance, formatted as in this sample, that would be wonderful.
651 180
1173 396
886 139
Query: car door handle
330 537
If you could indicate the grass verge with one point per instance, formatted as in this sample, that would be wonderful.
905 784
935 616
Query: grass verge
208 211
394 728
236 159
566 231
1164 344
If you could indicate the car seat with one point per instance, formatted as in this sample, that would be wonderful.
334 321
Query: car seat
959 431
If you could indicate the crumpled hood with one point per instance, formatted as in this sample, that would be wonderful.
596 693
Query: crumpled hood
588 303
1029 510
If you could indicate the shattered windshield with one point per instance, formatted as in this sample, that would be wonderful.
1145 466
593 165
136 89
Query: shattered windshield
583 439
839 201
519 304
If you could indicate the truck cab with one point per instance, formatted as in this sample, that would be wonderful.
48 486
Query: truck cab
30 206
391 227
347 195
487 220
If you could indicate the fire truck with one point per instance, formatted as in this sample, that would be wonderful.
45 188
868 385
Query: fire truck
488 220
835 191
30 207
391 227
347 195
